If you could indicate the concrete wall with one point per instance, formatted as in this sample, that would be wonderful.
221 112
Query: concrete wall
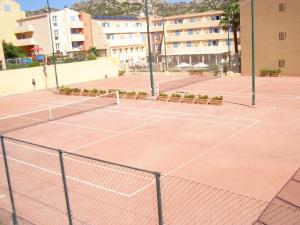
19 81
269 22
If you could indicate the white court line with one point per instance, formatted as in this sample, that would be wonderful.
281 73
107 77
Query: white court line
115 135
187 114
174 117
212 148
85 127
78 161
71 178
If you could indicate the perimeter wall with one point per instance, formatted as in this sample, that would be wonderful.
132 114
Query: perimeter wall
20 80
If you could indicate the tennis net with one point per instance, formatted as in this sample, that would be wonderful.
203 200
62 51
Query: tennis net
170 85
21 121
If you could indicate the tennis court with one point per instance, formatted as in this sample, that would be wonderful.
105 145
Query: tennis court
245 150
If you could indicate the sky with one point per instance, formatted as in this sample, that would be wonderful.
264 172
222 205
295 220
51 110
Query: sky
37 4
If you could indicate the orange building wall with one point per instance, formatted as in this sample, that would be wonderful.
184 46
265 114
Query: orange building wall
87 30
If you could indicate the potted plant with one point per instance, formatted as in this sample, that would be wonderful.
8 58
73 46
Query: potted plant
76 91
131 95
122 94
162 97
217 100
142 95
196 72
102 92
275 73
264 72
94 92
61 90
85 92
188 99
175 98
68 91
202 99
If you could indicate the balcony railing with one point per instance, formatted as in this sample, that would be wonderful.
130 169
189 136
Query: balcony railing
26 42
77 37
24 28
182 50
197 36
77 24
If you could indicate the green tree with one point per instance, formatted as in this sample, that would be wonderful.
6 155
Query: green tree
231 19
11 51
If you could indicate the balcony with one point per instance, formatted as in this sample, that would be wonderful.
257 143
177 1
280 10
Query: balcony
188 25
77 37
26 42
197 36
24 28
201 50
77 24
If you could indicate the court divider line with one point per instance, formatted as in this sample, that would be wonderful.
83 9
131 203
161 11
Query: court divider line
199 155
115 135
70 178
78 161
186 113
174 117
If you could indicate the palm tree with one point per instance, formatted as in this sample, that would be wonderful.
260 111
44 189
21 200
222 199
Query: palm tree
231 20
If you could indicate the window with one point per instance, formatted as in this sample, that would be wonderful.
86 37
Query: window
56 34
213 43
130 36
282 7
54 19
114 51
110 36
175 45
126 50
281 63
73 18
6 7
212 18
178 21
282 36
177 33
131 49
189 44
142 37
126 24
138 24
57 46
192 20
218 17
190 31
105 24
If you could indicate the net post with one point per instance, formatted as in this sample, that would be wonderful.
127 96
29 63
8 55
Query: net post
12 201
118 97
158 196
63 175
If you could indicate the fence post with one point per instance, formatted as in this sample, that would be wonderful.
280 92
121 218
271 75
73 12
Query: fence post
158 195
65 186
12 201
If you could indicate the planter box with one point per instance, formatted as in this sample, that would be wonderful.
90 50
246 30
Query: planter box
131 96
61 92
122 95
77 93
142 97
175 99
216 102
93 94
201 101
188 100
85 93
163 98
196 73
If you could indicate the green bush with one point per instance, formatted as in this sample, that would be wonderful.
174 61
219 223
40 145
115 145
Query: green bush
95 91
102 91
161 94
86 90
142 93
270 72
122 92
76 90
68 91
203 96
34 64
189 96
68 59
131 93
91 57
196 71
122 73
112 90
218 98
176 95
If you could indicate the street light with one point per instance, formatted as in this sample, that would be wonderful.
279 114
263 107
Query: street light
253 52
149 50
52 43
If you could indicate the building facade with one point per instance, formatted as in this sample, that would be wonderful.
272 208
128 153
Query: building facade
190 39
71 32
125 38
277 36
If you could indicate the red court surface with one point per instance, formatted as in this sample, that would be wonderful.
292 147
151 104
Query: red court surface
247 150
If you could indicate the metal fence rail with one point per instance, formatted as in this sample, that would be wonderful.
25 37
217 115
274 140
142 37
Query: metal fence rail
50 186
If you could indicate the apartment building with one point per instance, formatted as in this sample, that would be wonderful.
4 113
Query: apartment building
191 39
125 38
277 36
71 32
10 12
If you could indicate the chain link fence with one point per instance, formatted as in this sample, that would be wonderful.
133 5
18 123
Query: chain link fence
40 185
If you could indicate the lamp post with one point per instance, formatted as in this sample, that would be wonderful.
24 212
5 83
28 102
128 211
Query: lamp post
253 53
149 50
52 43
